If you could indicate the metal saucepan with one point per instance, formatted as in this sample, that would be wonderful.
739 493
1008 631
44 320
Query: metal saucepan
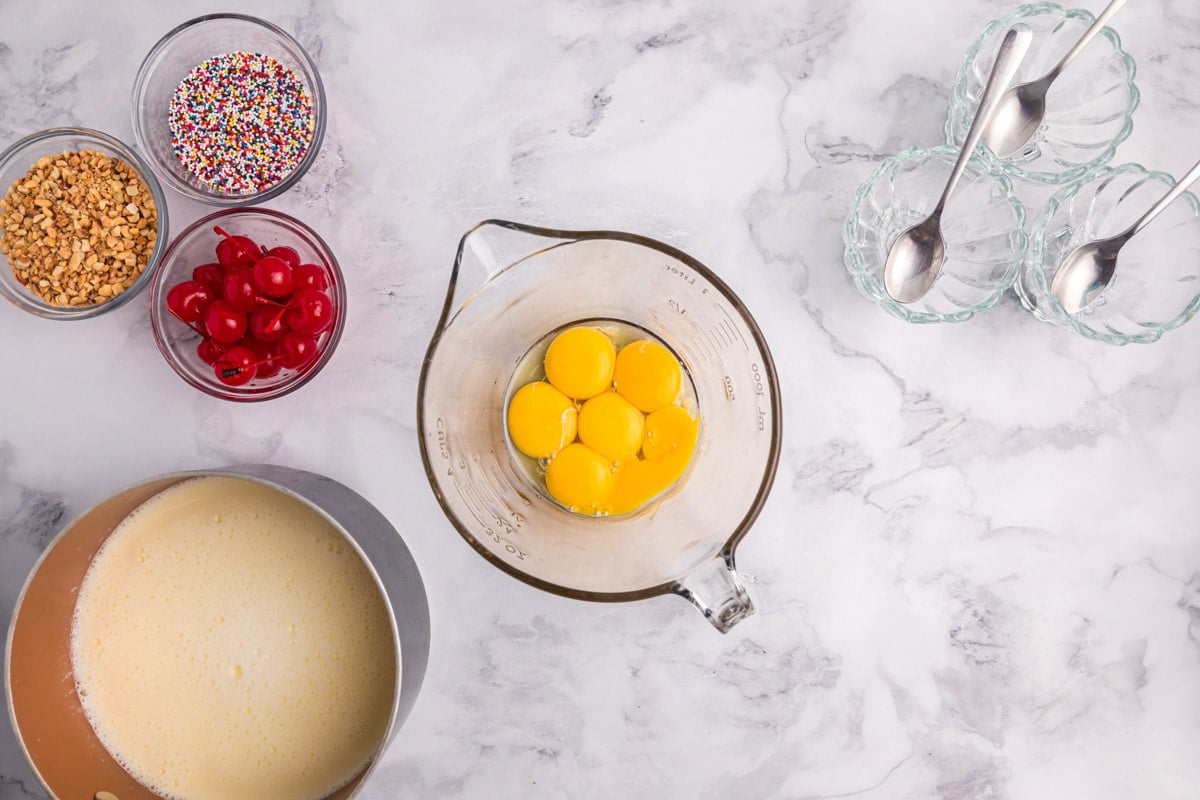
45 710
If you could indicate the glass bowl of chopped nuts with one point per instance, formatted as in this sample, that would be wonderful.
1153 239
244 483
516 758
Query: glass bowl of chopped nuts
249 304
229 108
83 223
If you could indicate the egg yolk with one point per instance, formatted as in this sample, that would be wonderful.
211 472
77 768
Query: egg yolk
541 420
610 425
638 482
669 431
581 479
579 362
607 425
647 375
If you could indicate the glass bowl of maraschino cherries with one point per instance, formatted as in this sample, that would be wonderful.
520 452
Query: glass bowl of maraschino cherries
248 304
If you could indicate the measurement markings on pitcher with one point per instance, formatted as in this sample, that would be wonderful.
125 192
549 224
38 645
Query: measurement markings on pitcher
440 428
509 547
489 522
713 342
756 376
733 329
509 530
760 393
690 280
471 500
721 336
705 345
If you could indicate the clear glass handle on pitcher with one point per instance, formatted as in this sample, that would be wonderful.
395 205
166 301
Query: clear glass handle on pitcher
715 588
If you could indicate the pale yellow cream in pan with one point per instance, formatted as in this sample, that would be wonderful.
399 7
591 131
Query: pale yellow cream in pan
229 643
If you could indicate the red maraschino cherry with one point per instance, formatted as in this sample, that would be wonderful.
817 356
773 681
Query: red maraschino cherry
273 276
210 274
189 300
236 251
209 351
296 350
266 324
309 276
224 323
267 357
239 289
285 254
236 366
309 312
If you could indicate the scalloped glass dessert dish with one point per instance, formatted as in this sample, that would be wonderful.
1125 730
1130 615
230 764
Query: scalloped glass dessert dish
982 225
171 60
16 161
1089 109
1156 286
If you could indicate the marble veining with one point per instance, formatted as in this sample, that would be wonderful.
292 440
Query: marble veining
978 576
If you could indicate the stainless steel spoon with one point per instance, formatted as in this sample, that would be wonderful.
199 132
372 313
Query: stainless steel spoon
1023 107
915 258
1088 269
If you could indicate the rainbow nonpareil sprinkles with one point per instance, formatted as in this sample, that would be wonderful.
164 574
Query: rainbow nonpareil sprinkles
241 123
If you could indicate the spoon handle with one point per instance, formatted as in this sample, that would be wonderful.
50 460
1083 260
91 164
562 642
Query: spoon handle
1088 35
1008 58
1170 197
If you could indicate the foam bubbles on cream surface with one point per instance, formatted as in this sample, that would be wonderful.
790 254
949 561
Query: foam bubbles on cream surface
228 642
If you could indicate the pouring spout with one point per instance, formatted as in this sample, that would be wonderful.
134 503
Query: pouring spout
716 590
496 244
485 250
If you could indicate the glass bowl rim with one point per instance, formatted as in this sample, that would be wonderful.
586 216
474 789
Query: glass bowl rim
33 304
320 112
958 99
855 262
1038 275
234 393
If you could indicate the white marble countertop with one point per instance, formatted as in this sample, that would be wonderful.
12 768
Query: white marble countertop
978 575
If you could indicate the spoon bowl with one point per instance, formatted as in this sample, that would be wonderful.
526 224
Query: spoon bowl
983 230
1017 118
1085 274
1023 107
1089 109
1156 286
914 261
1087 271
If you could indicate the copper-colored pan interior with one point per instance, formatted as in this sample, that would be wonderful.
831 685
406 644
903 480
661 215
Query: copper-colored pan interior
49 718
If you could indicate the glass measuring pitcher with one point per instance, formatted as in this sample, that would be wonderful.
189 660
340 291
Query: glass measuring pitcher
510 286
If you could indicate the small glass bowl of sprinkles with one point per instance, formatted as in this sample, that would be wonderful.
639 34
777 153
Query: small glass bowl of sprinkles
230 109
